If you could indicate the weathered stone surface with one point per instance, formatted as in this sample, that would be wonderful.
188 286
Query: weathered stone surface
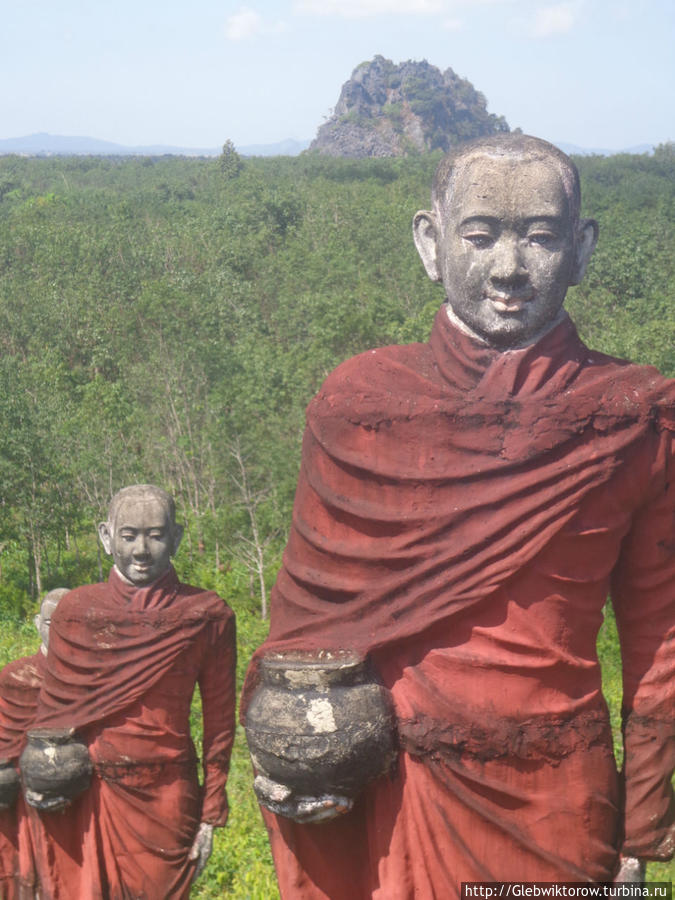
9 784
55 767
320 724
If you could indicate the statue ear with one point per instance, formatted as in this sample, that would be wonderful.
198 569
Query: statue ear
587 238
177 538
106 537
426 235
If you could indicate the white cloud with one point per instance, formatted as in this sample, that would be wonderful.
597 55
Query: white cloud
247 23
243 24
360 9
553 20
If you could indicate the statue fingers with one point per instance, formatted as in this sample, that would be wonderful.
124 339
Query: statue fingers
45 803
202 847
631 870
311 810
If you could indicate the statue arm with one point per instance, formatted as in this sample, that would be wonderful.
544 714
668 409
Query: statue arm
217 685
643 595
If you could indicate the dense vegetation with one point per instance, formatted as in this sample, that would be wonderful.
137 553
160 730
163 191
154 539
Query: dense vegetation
168 319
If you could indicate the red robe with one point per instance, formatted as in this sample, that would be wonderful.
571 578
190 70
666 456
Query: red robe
461 515
122 667
20 683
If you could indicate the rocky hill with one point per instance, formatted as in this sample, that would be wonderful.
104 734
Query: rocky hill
395 110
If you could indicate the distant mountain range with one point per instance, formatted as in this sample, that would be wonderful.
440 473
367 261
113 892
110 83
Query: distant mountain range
574 150
43 144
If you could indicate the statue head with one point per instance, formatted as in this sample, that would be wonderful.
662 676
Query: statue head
505 236
141 533
43 619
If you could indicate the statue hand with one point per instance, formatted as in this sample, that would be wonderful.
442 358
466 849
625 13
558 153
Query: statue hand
202 847
631 870
45 804
306 810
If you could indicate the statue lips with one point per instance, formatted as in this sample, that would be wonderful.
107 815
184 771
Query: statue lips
142 570
510 303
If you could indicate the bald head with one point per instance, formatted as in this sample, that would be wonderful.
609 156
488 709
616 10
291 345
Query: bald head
141 533
518 147
141 493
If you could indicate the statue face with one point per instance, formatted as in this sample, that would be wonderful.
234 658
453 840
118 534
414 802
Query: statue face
505 249
142 539
43 619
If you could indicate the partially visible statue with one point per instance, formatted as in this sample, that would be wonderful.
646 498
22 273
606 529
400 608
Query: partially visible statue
20 682
124 659
463 509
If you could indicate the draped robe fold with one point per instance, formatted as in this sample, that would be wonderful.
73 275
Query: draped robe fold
461 515
122 666
20 682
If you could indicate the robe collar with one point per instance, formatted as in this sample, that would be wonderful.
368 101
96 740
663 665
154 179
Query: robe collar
475 367
157 595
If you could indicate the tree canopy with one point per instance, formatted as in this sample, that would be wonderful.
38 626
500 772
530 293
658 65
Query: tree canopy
168 319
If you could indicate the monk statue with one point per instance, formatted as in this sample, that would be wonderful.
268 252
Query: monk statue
464 508
20 682
124 658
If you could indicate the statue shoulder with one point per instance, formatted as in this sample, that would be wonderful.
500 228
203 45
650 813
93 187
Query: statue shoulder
85 596
373 366
641 384
23 672
209 603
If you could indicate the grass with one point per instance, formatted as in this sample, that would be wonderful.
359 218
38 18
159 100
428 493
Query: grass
241 866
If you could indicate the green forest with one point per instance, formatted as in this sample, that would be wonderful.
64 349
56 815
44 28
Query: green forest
167 320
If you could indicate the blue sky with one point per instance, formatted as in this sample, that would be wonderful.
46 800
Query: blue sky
597 73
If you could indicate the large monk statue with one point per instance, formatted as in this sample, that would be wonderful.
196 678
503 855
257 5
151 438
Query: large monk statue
464 508
20 682
124 659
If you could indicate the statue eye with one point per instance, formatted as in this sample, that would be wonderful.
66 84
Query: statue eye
542 238
479 239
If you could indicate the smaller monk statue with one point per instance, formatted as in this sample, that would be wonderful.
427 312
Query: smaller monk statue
124 659
20 682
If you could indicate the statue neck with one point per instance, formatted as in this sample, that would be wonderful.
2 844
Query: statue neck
466 329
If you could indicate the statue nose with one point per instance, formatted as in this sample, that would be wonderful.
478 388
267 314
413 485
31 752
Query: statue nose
508 262
141 546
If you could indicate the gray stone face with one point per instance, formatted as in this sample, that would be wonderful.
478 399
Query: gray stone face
505 240
320 724
141 533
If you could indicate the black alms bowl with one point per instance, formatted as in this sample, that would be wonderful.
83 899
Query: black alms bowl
55 766
320 724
